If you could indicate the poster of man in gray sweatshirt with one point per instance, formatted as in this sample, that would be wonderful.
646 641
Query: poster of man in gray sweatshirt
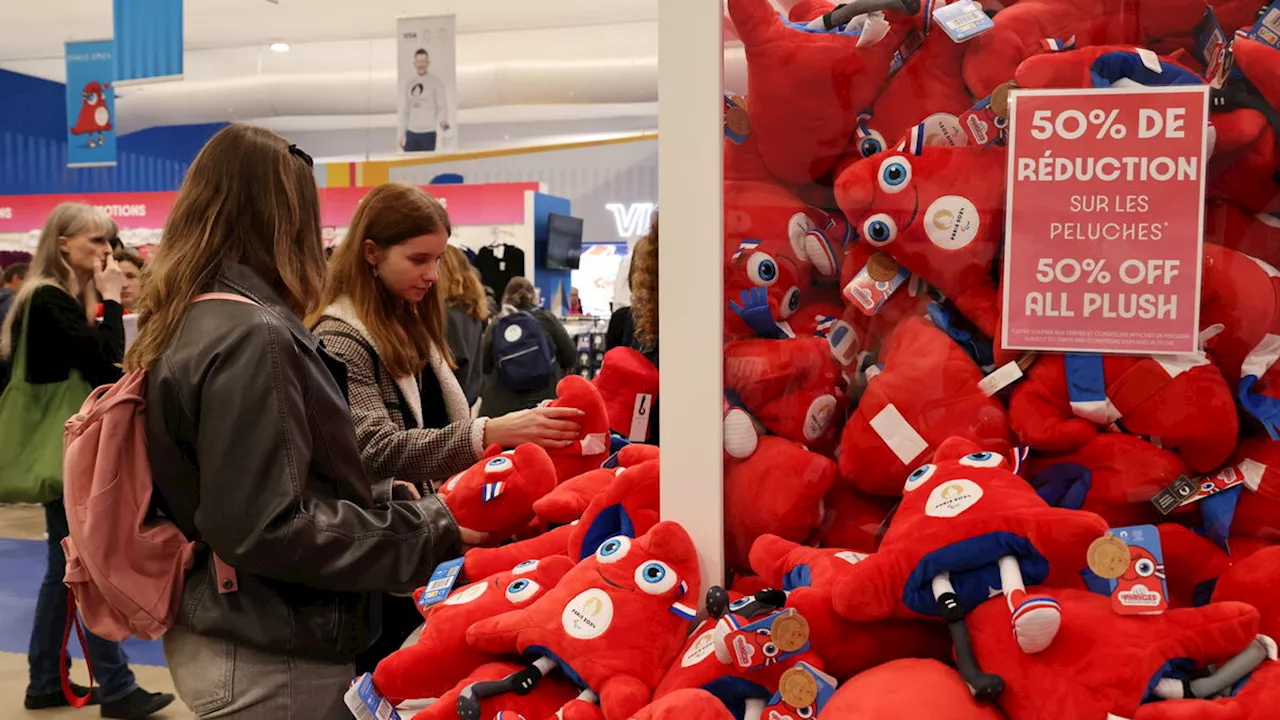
428 78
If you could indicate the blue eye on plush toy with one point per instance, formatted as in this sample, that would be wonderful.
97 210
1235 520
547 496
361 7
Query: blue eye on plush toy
614 549
870 146
982 460
880 229
521 590
895 173
919 477
655 578
762 269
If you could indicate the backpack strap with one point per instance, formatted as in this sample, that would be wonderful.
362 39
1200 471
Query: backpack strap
64 662
227 580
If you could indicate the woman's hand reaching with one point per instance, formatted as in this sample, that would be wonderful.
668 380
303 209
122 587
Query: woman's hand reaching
550 427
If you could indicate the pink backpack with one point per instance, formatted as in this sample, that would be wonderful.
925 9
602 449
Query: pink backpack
125 570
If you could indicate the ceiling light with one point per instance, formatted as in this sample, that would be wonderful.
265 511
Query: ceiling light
279 47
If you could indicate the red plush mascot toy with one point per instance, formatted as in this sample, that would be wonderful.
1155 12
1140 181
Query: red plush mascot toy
908 689
613 624
1105 665
939 213
926 392
967 526
442 656
496 495
1181 400
591 448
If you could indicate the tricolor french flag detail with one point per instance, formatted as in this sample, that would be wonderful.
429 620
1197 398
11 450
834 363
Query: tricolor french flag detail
1253 390
684 611
1033 603
915 141
745 246
825 323
492 490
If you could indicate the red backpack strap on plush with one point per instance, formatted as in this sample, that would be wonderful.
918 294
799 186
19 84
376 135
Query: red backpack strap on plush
64 663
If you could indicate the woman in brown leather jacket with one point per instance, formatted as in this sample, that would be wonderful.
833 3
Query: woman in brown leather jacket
252 448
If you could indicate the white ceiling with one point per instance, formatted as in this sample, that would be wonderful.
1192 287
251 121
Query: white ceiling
555 68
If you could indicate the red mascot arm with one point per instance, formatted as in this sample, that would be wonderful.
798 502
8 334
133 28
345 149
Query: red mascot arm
484 562
1040 412
571 498
591 448
805 90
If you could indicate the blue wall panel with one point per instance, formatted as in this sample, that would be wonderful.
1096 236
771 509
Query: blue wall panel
34 157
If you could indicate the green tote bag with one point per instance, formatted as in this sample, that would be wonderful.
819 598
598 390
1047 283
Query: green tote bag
31 428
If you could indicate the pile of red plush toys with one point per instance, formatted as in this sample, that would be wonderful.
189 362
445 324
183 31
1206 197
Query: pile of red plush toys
919 523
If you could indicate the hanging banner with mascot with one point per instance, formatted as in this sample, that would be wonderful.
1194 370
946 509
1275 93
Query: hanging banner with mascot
91 104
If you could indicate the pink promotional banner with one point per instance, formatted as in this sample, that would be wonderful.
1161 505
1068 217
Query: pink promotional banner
494 204
1105 220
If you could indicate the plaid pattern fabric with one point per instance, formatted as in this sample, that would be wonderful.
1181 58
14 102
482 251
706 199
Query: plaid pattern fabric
390 443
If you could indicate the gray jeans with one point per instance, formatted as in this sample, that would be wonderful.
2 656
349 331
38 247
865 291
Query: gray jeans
223 679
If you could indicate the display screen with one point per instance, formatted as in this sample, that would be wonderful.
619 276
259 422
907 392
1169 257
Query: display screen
564 242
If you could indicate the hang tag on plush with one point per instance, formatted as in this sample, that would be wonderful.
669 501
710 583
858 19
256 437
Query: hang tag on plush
1170 498
1002 378
963 20
1267 28
874 29
1207 485
441 583
803 691
1212 48
640 418
1142 589
875 283
365 703
1150 60
785 630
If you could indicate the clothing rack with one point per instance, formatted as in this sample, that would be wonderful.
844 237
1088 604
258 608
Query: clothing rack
589 334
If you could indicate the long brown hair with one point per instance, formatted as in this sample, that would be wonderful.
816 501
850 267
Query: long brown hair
246 199
520 294
643 279
461 286
403 332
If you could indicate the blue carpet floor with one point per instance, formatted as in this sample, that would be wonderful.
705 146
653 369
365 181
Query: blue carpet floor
22 565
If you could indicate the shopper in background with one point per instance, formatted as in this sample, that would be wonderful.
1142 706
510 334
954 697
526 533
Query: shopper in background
131 265
497 399
575 303
9 286
252 449
636 326
383 315
71 271
467 311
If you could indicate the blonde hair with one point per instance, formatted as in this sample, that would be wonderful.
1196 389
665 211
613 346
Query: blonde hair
643 279
248 199
403 332
48 265
461 285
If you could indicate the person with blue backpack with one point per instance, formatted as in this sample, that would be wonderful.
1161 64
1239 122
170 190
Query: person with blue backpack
526 352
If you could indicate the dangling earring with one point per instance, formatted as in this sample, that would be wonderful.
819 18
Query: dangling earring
375 270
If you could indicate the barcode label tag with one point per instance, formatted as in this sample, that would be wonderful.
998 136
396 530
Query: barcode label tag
441 583
365 703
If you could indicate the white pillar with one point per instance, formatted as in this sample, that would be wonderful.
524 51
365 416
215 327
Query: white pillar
691 297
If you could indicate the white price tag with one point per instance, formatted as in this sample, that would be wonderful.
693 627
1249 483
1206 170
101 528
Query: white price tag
1002 378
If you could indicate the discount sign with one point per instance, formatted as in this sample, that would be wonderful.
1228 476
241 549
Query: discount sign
1105 220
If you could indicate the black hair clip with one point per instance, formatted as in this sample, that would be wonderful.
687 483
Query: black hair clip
296 151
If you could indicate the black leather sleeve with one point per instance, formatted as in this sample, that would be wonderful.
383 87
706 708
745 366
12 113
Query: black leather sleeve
259 510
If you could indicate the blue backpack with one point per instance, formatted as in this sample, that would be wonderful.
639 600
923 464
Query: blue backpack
522 353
